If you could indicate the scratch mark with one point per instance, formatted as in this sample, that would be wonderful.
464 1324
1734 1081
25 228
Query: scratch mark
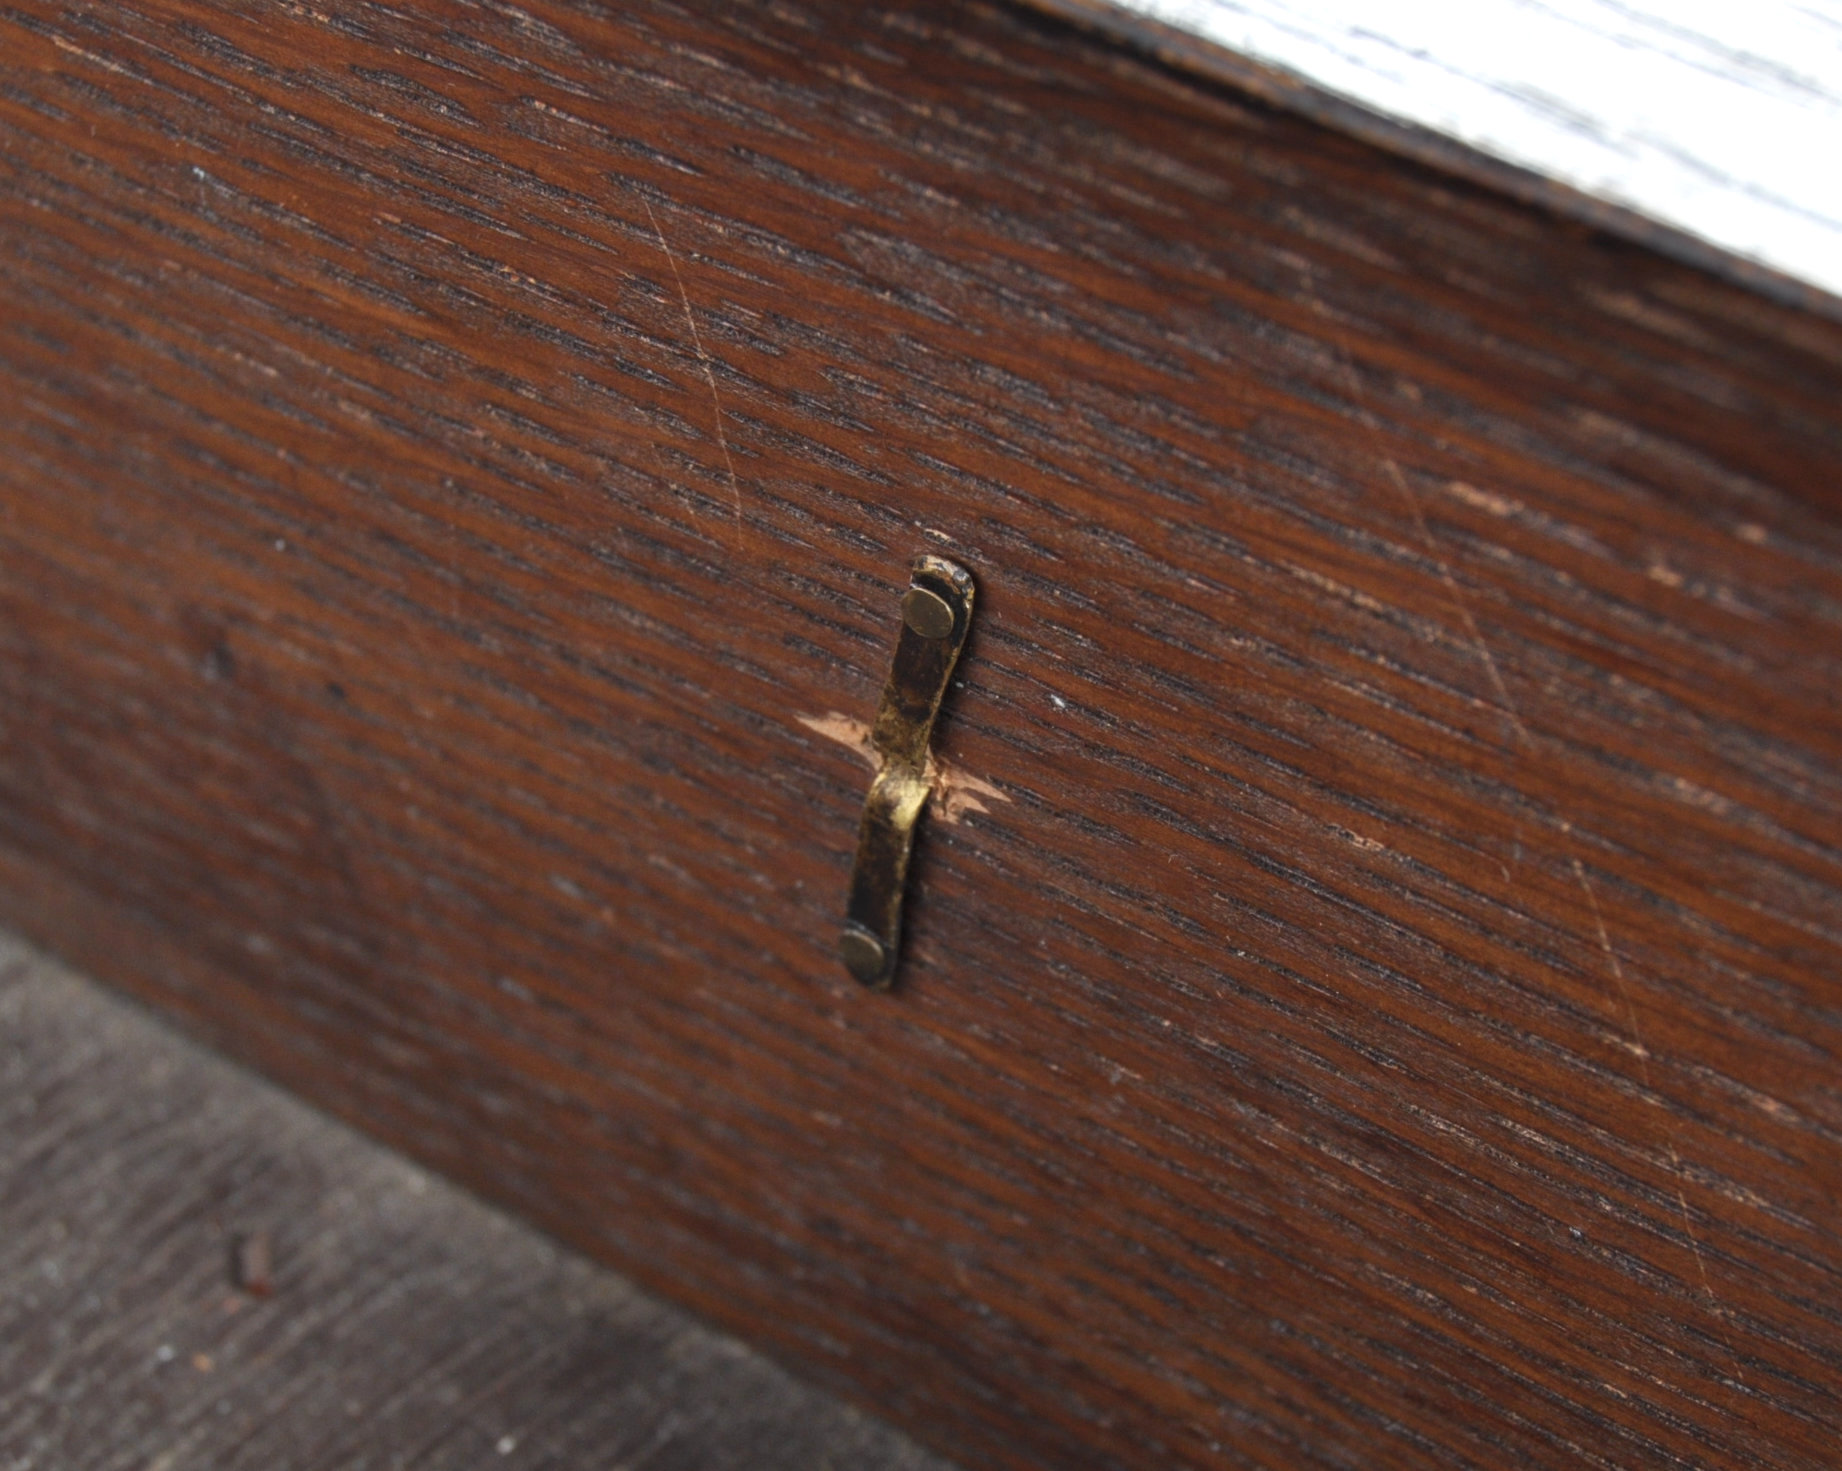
697 341
1526 739
954 795
1459 601
1642 1053
1461 605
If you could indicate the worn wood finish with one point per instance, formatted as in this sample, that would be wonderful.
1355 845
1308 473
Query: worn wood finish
404 1325
1615 165
1393 1019
1713 123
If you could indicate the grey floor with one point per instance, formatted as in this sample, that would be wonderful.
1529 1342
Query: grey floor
405 1325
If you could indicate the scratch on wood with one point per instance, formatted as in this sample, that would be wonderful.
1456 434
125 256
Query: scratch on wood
1527 742
703 358
1372 427
1460 604
953 794
1642 1053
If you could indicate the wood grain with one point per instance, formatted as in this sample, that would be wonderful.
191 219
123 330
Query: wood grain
1654 156
404 1324
1709 123
1394 1018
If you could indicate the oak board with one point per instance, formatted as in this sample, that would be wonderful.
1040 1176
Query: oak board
1391 1015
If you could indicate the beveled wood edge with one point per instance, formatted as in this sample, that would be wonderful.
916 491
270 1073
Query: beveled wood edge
1200 58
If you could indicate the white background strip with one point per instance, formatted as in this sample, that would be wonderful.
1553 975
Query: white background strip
1722 118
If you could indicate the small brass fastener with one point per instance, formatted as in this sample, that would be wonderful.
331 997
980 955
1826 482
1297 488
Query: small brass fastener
936 617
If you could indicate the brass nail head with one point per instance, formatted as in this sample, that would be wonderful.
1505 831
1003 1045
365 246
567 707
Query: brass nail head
927 613
862 954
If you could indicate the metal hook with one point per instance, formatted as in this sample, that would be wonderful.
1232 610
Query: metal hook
936 616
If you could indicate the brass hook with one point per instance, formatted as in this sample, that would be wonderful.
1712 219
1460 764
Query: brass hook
936 616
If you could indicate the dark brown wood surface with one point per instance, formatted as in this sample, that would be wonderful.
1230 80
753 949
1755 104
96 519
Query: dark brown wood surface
399 1324
1393 1020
